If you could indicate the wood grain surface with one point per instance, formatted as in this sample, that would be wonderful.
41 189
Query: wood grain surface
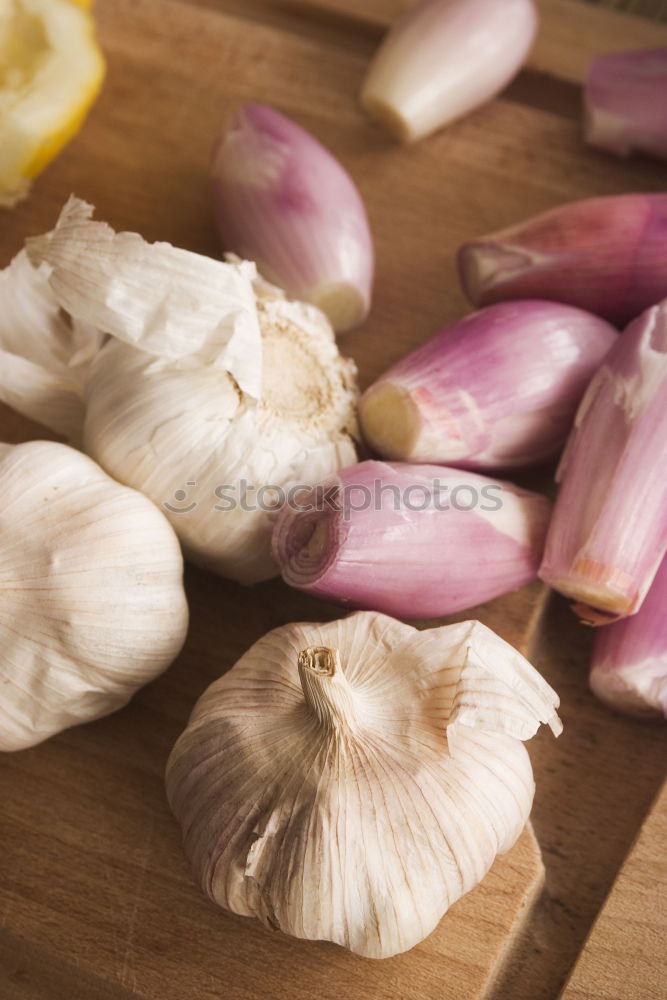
625 956
652 9
594 791
570 33
95 899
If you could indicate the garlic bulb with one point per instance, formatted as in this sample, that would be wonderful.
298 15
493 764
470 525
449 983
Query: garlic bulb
349 781
189 440
93 601
214 394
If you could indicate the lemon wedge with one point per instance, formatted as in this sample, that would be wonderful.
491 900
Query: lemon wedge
51 71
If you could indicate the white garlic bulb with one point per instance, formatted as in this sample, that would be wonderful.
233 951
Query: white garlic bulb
210 388
93 600
350 781
189 440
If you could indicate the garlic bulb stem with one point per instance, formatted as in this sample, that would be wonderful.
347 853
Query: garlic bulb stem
325 688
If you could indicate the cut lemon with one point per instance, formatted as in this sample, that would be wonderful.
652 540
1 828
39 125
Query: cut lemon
51 71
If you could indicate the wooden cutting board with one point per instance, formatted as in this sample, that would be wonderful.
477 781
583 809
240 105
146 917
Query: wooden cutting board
625 956
95 899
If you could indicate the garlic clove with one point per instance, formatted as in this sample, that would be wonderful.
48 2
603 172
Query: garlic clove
285 202
629 668
625 100
93 601
608 534
604 255
169 302
335 785
415 541
442 59
498 389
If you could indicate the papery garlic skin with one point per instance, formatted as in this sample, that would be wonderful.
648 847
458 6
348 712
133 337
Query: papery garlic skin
166 301
496 390
444 58
285 202
629 668
415 541
625 99
182 402
93 600
43 357
608 534
604 255
349 781
187 438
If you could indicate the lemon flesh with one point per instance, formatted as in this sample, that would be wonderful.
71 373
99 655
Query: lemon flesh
51 71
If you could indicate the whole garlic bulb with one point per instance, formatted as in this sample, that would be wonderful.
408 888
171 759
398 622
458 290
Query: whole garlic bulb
210 386
93 600
350 781
189 439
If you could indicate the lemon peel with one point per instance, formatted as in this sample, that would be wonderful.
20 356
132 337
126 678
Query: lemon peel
51 71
